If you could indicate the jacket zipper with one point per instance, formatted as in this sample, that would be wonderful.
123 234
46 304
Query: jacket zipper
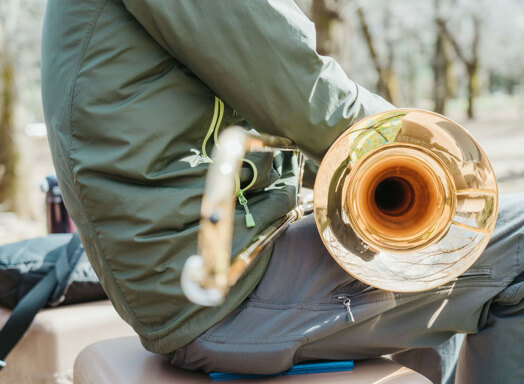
346 301
250 221
213 131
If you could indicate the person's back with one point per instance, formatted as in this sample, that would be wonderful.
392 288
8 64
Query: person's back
127 123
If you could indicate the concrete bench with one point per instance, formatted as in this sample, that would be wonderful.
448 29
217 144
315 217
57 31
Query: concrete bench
124 361
47 352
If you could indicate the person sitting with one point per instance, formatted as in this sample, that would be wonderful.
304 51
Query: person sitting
133 93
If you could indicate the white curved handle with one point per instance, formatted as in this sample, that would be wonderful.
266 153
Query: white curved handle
192 273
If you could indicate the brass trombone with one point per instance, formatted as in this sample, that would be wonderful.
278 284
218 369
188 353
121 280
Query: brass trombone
404 200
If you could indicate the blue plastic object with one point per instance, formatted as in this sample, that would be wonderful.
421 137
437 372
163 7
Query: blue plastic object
299 369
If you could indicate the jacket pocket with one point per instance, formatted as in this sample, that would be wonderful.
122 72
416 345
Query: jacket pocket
348 299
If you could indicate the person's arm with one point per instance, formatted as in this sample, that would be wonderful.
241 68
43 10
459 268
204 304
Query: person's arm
259 57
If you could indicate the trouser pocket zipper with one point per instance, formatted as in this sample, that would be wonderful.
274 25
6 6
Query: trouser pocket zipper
346 301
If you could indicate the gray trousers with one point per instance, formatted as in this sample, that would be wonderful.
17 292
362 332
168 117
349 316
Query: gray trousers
297 313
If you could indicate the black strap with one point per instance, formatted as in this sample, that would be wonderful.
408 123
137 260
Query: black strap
27 308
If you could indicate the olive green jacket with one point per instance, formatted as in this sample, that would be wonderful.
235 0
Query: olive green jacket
132 88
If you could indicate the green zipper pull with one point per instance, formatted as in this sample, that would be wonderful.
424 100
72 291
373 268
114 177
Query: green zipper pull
250 221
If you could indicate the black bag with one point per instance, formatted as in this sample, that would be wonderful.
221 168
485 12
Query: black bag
45 271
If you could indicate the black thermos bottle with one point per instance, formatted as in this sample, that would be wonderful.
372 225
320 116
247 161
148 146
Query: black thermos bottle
58 220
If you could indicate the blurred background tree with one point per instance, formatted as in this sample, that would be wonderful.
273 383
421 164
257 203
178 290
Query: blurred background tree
8 150
471 47
464 58
24 154
20 26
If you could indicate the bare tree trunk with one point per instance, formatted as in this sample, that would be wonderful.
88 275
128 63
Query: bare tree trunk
386 78
324 18
392 81
8 154
472 88
411 89
472 64
441 64
440 74
472 69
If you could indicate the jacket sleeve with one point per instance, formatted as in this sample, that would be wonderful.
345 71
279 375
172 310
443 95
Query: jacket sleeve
260 58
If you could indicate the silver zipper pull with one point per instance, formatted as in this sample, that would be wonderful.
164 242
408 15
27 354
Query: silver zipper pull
346 301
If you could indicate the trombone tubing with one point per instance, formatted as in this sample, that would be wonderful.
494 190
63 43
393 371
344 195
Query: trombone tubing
218 205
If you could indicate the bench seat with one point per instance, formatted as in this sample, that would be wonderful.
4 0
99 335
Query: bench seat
124 361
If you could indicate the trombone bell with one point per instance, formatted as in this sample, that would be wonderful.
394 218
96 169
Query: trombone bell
405 200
